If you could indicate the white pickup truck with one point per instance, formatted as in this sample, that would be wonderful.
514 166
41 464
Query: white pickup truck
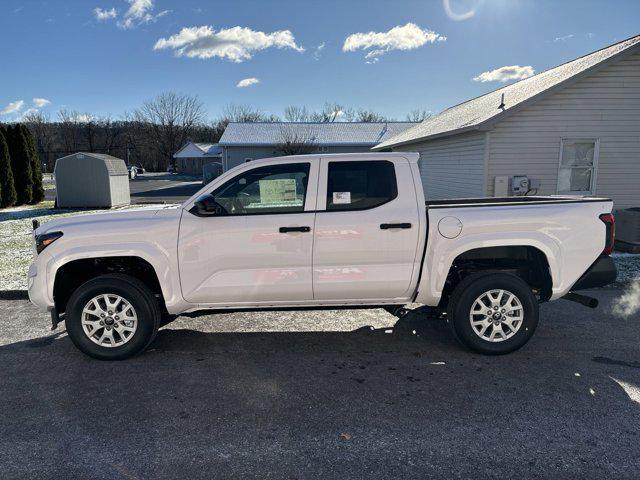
322 232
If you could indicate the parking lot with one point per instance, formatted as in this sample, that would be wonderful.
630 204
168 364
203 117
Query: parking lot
156 187
351 394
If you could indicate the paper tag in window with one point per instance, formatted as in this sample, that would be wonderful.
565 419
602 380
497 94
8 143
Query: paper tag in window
341 198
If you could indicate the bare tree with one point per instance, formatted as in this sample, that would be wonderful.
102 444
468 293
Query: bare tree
44 132
333 112
296 140
245 114
369 116
418 115
171 118
70 123
293 113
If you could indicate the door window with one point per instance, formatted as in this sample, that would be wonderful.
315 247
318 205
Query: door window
360 185
270 189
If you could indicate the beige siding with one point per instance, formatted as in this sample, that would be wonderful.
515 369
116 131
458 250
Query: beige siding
452 167
605 105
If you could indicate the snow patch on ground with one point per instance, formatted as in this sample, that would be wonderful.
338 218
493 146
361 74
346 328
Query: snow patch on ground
16 241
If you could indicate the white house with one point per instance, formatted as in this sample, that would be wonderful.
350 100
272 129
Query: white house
193 156
243 142
572 129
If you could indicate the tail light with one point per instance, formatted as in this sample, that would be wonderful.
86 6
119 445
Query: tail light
610 223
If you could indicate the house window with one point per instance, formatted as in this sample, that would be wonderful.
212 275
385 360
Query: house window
578 161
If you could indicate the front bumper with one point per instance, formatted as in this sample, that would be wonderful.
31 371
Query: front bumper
37 287
602 272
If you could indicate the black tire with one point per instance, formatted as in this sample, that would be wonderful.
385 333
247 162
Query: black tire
463 299
133 291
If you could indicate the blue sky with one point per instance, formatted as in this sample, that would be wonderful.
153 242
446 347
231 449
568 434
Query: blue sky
61 52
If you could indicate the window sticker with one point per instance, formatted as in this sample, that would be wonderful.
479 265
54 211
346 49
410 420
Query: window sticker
341 198
278 190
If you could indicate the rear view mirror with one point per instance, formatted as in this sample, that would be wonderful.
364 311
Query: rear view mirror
206 206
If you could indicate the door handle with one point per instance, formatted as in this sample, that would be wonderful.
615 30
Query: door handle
294 229
387 226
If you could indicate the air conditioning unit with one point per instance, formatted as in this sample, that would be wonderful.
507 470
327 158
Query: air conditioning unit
628 230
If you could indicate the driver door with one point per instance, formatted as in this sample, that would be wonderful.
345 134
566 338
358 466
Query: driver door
255 247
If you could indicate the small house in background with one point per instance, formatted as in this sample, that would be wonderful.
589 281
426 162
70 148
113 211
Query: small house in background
193 156
92 180
243 142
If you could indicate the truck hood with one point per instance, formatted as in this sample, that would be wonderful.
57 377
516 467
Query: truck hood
133 217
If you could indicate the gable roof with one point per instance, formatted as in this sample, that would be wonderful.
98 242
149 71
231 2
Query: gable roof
335 133
204 149
479 111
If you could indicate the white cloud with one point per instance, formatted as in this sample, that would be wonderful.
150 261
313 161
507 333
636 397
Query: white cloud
41 102
563 38
317 52
13 107
138 13
247 82
406 37
236 44
103 14
506 73
457 16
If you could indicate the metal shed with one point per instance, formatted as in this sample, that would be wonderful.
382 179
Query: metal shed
91 180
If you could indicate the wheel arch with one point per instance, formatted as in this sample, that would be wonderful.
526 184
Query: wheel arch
525 261
69 275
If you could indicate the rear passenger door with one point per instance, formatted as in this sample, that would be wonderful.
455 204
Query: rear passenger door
366 230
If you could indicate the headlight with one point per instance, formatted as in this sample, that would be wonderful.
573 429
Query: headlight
45 239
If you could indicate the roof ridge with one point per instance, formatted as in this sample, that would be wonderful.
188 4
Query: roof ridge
545 71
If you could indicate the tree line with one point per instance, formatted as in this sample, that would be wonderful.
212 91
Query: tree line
20 167
151 134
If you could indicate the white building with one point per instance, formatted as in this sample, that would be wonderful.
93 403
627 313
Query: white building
573 129
193 156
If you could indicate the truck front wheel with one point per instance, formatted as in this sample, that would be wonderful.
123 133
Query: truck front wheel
493 313
112 317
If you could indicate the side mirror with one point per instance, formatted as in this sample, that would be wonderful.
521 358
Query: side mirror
206 206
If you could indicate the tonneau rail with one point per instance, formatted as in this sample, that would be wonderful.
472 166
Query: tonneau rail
508 201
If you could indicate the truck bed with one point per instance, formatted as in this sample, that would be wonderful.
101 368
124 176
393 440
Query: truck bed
504 201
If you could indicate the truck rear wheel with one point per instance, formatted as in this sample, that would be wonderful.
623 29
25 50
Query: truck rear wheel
493 313
112 317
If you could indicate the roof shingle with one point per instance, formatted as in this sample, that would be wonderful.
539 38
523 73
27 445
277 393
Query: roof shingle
336 133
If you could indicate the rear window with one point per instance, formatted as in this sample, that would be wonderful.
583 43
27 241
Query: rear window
360 185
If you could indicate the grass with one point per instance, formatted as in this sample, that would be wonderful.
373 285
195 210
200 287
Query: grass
16 242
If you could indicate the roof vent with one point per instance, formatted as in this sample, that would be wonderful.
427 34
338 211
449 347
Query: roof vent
501 106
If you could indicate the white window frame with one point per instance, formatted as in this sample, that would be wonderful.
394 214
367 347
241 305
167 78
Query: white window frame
594 172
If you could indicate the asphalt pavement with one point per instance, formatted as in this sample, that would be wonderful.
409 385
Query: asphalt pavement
156 188
351 394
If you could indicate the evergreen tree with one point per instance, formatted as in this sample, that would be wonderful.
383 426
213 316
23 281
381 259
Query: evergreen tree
20 164
37 190
7 190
